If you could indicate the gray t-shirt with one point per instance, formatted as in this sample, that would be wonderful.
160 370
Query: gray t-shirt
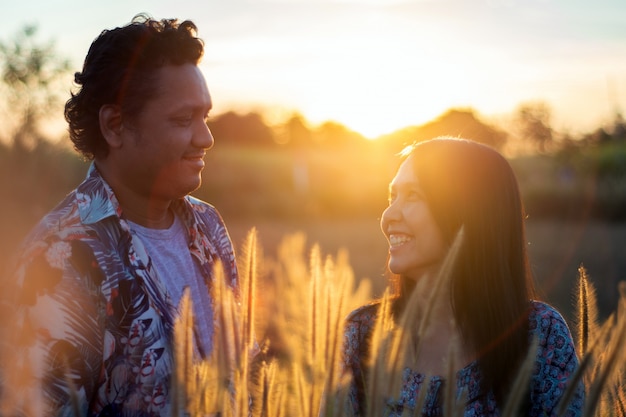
169 252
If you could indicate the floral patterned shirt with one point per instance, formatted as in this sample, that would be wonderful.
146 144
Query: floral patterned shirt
556 361
87 300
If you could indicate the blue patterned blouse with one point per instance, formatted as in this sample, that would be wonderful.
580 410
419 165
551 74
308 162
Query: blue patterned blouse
556 361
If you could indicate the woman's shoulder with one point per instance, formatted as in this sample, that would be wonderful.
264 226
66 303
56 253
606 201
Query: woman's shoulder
543 311
358 330
364 314
547 320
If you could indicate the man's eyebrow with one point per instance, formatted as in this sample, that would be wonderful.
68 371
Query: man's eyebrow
191 105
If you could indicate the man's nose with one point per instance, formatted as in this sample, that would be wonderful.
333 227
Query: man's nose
203 137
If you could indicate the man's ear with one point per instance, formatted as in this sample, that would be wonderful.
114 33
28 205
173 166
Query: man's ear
111 124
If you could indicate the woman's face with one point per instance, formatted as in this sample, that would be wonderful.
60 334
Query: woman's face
416 245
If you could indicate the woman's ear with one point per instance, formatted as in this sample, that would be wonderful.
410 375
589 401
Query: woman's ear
110 118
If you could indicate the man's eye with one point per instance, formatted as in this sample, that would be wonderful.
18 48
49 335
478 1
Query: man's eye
183 120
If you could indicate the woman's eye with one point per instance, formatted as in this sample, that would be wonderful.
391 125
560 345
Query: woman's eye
414 196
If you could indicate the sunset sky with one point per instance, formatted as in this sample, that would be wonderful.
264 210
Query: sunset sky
380 65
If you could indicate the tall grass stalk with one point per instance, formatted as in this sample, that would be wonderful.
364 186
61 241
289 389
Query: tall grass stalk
381 372
519 388
299 325
449 394
394 347
185 377
296 372
586 312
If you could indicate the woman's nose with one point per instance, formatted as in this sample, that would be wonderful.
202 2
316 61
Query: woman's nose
390 214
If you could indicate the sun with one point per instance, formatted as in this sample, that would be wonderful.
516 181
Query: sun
378 97
374 77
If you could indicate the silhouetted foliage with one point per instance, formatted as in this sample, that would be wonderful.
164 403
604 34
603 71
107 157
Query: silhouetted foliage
334 135
295 132
454 122
533 120
234 129
31 75
598 137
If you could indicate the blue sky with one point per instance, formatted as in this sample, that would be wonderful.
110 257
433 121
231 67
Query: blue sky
379 65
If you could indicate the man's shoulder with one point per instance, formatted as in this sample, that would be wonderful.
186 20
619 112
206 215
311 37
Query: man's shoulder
78 217
204 214
200 206
200 214
58 235
57 221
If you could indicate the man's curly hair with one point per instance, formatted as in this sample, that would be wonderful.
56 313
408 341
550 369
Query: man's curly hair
120 68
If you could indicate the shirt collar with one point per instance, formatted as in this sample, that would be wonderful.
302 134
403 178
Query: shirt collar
97 201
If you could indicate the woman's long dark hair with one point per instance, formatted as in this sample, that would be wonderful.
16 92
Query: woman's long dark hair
471 185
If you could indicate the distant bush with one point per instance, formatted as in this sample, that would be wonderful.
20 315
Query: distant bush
587 182
297 183
610 161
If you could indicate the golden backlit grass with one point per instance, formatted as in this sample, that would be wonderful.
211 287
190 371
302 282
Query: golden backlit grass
284 363
278 343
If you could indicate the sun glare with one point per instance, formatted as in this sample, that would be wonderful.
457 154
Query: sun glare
378 94
374 78
390 70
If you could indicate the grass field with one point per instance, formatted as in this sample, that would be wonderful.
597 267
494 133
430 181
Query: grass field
556 247
301 311
298 317
556 250
340 208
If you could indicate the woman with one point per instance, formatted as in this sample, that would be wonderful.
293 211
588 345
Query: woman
487 308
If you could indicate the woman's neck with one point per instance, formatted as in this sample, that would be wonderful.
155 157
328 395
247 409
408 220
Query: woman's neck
436 342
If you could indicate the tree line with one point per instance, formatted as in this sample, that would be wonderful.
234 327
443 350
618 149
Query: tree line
35 79
295 167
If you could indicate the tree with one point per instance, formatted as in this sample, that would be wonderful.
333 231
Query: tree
231 128
454 122
32 73
532 121
331 134
295 132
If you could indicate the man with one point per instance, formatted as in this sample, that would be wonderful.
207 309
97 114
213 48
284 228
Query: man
100 278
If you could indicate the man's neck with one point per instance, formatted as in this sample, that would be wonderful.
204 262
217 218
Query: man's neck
144 210
161 219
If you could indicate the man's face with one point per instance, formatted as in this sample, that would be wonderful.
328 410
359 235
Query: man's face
163 147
